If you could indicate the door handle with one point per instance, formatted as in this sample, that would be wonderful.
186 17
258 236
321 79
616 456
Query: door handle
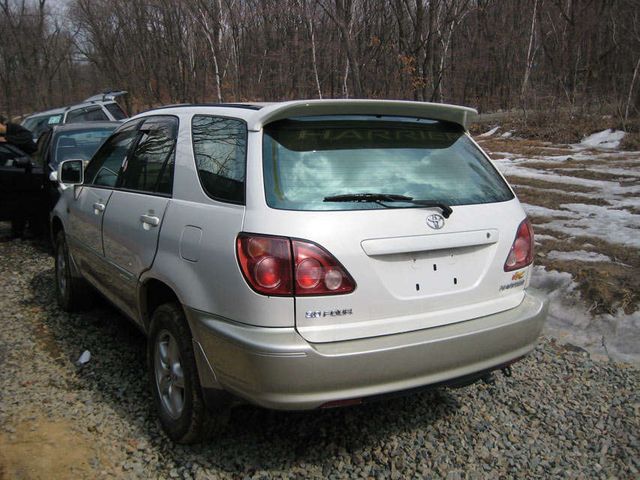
150 220
98 207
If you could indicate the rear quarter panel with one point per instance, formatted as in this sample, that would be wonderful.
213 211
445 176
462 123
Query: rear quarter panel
196 252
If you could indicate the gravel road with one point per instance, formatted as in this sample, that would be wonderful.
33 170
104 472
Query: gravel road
561 414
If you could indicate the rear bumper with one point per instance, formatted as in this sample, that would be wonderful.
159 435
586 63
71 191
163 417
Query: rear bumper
277 368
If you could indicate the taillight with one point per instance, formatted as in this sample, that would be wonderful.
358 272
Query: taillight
286 267
521 253
318 272
266 263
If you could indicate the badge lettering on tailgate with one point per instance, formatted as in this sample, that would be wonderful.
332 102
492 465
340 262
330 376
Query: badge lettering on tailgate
328 313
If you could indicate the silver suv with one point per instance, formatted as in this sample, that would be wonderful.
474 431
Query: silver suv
300 255
101 107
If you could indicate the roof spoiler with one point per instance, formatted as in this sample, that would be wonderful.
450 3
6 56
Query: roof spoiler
301 108
106 96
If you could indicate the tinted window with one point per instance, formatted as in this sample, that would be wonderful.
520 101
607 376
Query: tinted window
220 146
79 145
88 114
106 163
150 167
306 160
115 110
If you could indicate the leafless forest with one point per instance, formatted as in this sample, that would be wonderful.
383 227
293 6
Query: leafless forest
492 54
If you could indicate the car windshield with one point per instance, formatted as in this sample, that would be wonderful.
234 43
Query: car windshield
78 144
310 160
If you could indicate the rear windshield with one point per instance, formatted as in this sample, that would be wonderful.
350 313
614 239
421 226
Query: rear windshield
307 160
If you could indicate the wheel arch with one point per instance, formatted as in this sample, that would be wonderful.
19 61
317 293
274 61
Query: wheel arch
153 293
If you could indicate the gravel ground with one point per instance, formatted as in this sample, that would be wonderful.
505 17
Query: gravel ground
561 414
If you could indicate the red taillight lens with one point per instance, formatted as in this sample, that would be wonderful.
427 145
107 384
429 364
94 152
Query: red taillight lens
318 272
521 253
267 265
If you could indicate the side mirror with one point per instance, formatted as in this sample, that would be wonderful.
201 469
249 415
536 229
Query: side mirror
71 172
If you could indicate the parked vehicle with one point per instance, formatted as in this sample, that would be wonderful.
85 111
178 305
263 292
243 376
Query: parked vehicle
300 255
11 156
78 141
102 107
28 191
21 189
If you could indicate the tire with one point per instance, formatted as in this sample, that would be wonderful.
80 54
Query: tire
173 378
72 293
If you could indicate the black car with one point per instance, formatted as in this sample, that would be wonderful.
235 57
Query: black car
21 187
27 192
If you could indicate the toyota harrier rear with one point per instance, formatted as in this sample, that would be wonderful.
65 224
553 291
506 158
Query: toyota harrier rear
302 254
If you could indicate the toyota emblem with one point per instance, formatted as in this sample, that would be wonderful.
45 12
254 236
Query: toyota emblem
435 221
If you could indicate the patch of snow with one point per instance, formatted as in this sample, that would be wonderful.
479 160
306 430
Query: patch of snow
508 169
614 337
541 236
578 255
605 139
609 224
507 134
490 132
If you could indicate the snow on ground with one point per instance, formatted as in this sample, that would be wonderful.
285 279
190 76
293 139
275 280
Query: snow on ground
489 133
577 219
604 336
606 139
611 222
617 182
579 256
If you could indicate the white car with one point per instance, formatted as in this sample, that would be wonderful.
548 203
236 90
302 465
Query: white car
300 255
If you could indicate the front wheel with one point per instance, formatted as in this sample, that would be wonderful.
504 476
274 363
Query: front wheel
72 293
175 385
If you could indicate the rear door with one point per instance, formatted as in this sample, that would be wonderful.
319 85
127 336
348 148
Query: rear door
136 209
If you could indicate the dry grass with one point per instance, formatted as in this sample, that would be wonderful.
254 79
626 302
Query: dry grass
548 184
604 286
563 126
553 200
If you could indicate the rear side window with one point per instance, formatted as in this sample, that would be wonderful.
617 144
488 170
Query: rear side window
220 148
103 169
306 160
115 110
150 166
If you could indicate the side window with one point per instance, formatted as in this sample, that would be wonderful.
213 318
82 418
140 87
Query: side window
150 166
106 163
220 148
115 110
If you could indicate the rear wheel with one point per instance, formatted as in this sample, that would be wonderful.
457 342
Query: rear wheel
175 385
72 293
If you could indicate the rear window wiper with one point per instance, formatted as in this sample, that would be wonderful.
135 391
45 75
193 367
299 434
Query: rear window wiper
383 198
